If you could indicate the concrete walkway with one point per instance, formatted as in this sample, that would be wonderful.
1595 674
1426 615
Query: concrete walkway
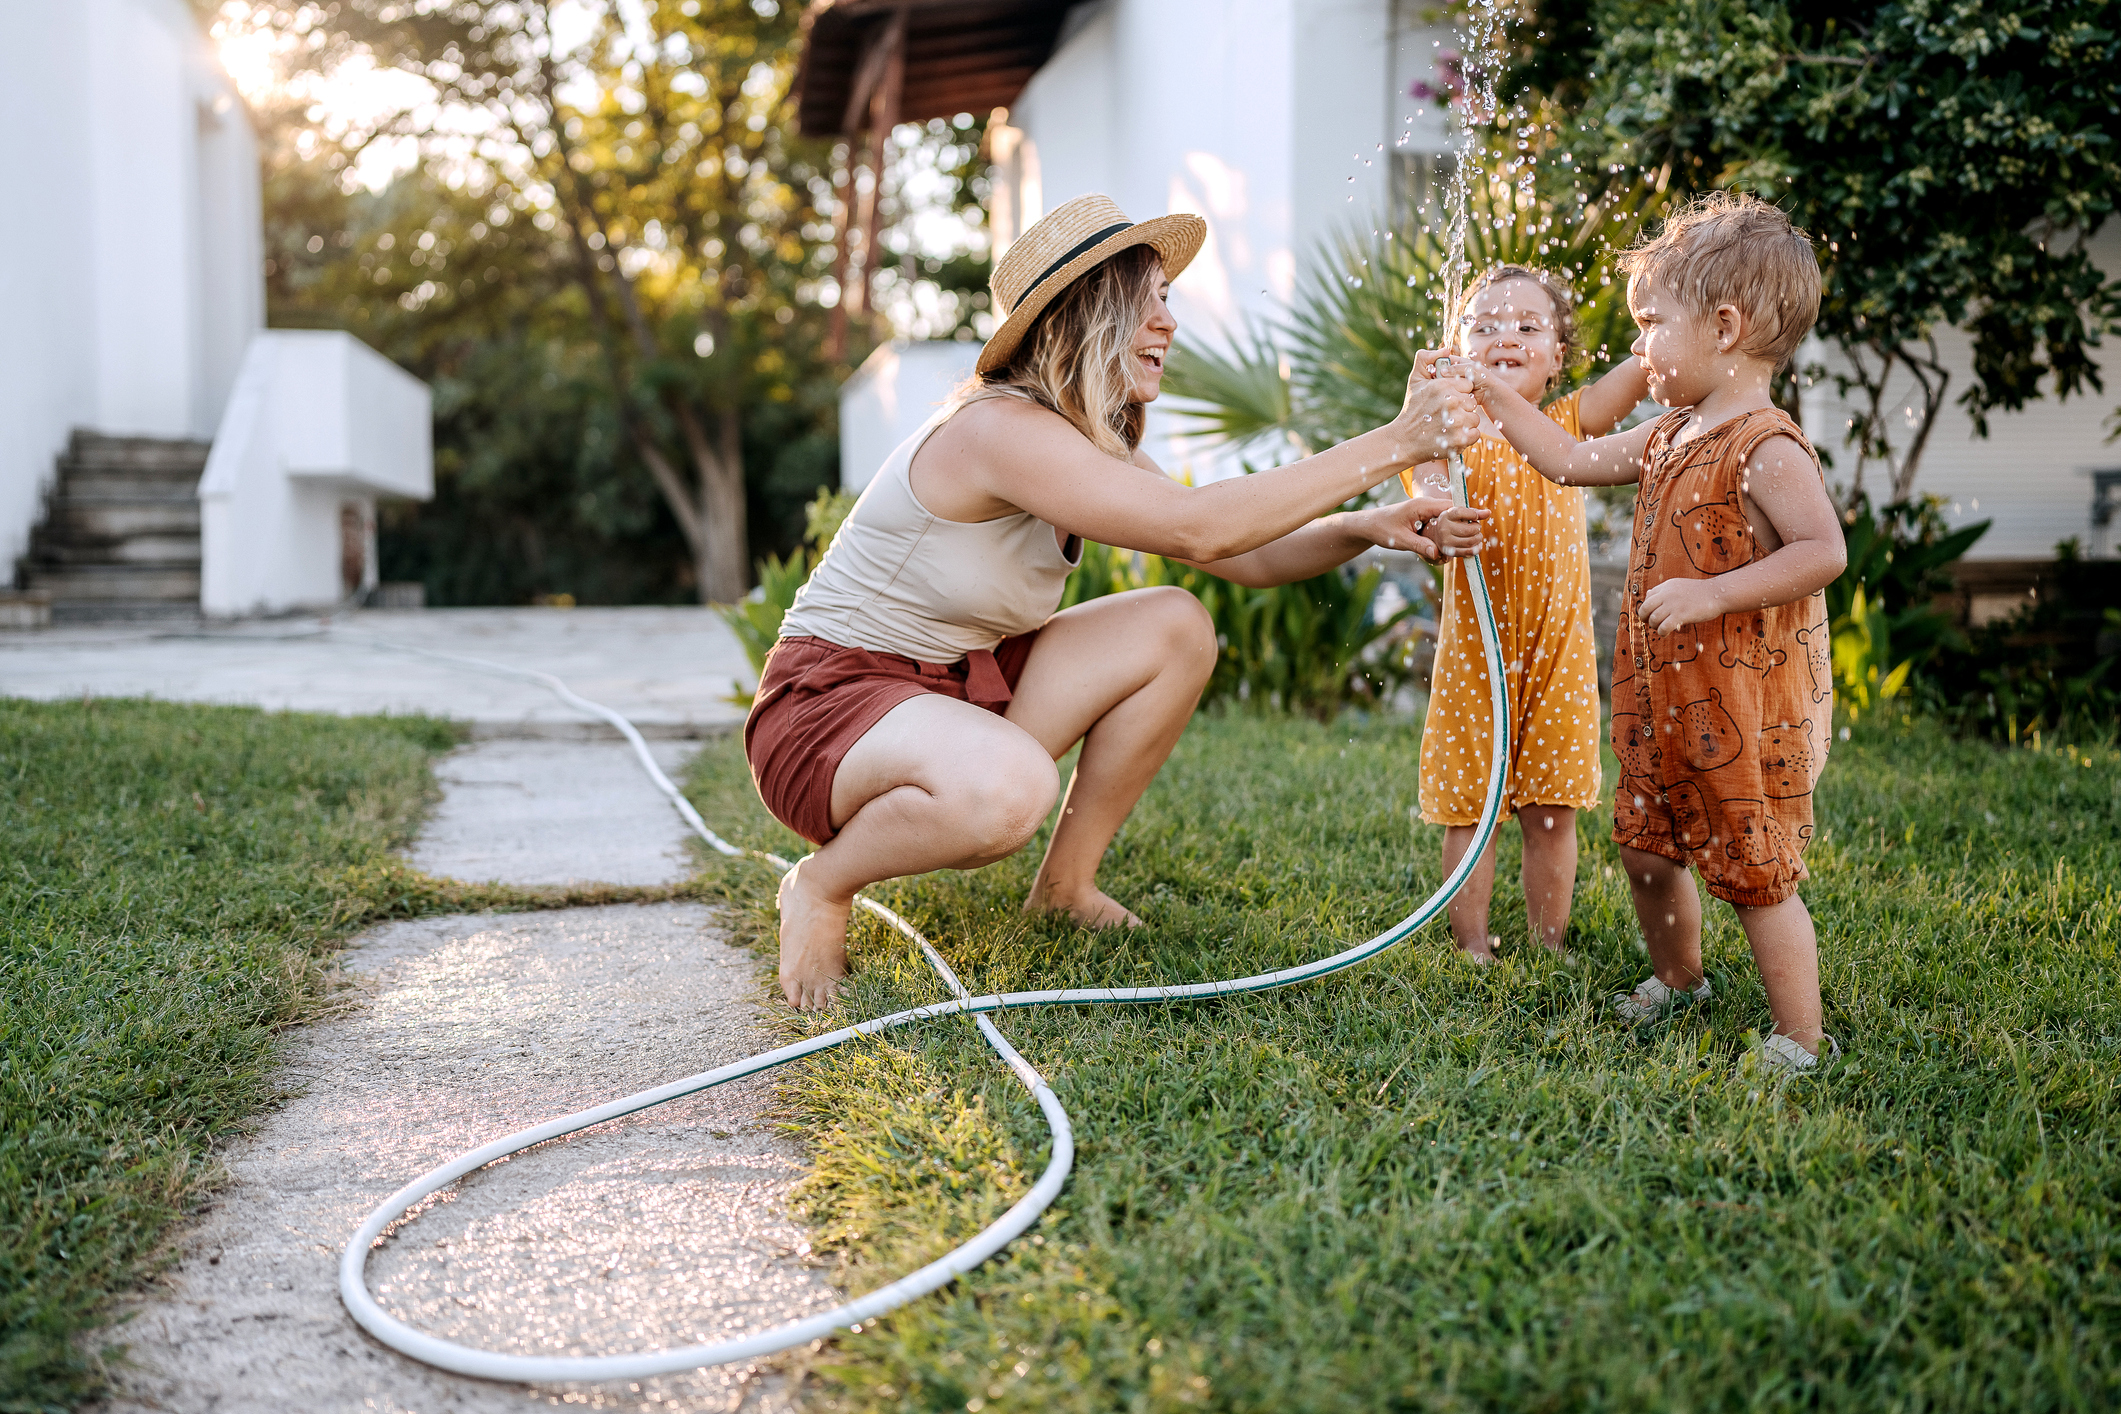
664 1229
556 812
666 670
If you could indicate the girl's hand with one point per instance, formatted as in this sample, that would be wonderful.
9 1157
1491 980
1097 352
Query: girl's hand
1457 532
1429 526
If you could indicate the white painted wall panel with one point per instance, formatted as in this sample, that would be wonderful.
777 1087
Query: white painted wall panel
2032 475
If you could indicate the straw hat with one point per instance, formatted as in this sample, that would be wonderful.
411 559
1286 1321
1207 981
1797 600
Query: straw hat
1064 246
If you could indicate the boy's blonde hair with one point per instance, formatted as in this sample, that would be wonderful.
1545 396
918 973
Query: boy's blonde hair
1733 248
1559 295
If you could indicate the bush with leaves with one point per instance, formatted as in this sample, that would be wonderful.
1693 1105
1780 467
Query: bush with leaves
1316 646
756 618
1338 365
1952 160
2048 668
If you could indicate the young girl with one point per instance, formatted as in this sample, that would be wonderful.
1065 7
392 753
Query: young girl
1520 325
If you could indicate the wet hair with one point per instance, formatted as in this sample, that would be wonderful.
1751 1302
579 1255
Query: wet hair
1078 357
1733 248
1559 295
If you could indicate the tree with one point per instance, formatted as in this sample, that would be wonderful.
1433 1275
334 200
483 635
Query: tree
1953 159
690 228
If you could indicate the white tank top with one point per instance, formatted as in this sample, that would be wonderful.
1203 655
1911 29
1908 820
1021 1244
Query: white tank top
897 579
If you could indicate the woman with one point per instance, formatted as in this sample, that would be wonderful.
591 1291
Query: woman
910 717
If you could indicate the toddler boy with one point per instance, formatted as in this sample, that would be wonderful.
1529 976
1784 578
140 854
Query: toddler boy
1722 697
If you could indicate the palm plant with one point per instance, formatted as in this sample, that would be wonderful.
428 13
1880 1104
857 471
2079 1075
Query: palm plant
1338 366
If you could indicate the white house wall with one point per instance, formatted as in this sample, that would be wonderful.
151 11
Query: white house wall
131 253
1343 112
47 362
2031 475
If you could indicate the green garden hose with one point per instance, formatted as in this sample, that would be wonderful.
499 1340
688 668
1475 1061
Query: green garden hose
485 1364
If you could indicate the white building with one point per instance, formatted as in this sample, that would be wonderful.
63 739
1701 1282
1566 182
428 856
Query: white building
2044 475
131 271
1286 123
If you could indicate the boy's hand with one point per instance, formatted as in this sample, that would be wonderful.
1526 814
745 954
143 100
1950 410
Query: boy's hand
1678 602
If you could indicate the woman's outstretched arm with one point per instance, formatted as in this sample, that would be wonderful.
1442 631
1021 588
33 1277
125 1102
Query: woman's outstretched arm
1429 526
1001 455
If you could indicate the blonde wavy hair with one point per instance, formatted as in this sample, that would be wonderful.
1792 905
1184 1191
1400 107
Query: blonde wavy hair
1078 359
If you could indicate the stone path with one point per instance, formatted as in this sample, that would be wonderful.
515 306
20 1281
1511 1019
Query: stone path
555 812
666 670
662 1229
667 1228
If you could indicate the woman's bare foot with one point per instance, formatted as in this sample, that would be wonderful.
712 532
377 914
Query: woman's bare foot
1093 908
813 943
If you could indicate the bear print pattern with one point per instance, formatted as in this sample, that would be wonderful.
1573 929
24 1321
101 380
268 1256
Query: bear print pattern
1716 535
1707 736
1740 708
1753 836
1690 815
1788 766
1745 644
1818 641
1631 743
1680 646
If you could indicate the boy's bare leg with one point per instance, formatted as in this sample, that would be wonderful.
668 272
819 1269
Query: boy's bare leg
1549 871
1786 950
1469 906
1669 910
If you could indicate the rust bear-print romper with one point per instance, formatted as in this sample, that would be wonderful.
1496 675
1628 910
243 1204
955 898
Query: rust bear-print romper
1722 726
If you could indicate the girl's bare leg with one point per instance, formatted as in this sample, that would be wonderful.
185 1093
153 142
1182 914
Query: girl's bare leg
1469 906
1669 909
1122 675
1549 871
1786 949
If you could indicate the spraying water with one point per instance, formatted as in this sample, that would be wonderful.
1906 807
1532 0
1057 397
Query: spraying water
1479 59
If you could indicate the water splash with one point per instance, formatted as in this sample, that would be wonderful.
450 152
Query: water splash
1471 76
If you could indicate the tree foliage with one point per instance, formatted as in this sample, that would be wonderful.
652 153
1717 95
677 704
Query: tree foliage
1952 158
622 201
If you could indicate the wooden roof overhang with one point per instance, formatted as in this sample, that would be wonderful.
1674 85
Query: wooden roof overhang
948 57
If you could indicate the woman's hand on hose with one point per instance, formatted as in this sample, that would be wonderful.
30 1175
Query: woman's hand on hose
1430 526
1439 416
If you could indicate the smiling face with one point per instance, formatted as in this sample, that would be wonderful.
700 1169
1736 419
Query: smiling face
1152 342
1677 346
1509 328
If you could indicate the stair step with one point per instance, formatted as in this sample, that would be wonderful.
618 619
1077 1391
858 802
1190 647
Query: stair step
139 453
125 610
127 483
101 518
47 551
106 584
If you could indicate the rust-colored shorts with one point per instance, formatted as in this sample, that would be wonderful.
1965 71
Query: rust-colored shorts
817 699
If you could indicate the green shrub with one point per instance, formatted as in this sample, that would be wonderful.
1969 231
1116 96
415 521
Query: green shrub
1314 646
756 618
2049 668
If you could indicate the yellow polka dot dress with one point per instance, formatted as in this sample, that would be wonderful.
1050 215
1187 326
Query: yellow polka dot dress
1538 568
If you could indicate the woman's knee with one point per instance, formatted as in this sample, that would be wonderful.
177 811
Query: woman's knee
1183 623
1010 797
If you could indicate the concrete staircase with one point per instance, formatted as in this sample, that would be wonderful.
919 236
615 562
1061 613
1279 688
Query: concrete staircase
120 536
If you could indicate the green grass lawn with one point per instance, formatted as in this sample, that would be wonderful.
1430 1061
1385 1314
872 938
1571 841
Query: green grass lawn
173 881
1419 1186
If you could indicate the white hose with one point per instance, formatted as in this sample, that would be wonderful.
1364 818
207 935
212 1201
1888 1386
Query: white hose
486 1364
